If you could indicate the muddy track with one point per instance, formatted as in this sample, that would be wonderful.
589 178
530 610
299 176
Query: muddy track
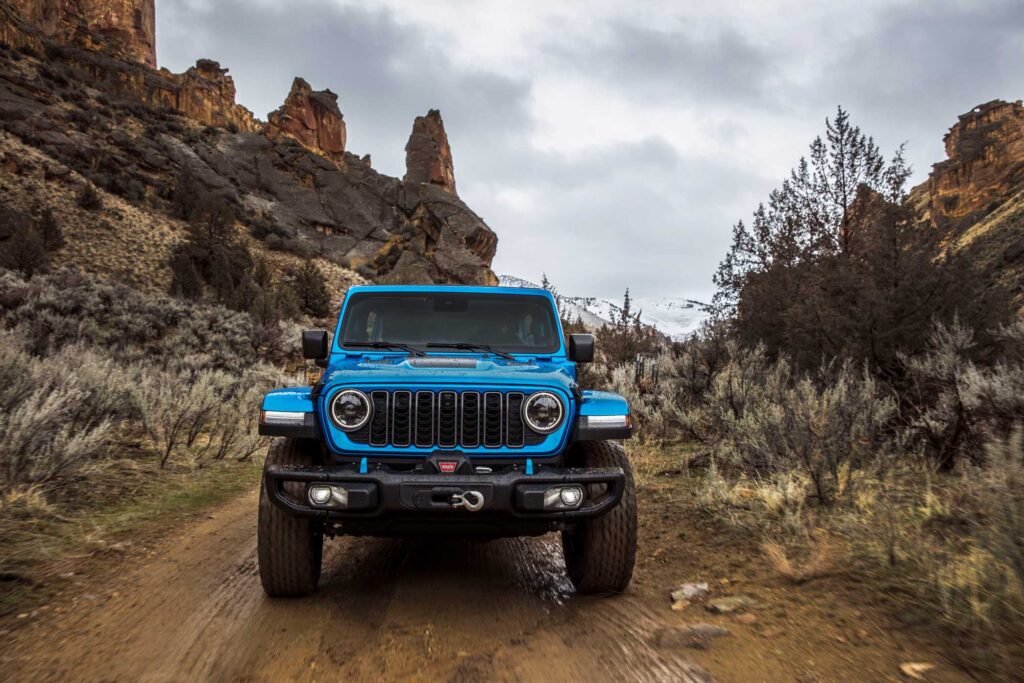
193 610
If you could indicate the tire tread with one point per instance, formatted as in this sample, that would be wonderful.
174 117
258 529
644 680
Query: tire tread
600 553
290 549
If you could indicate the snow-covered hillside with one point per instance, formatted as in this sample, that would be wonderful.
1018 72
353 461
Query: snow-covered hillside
672 316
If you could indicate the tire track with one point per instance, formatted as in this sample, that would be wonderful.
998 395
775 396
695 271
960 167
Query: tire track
385 609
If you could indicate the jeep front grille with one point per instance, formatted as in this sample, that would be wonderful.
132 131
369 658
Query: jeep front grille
446 419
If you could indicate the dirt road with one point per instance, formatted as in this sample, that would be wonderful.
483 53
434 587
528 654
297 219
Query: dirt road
193 610
189 607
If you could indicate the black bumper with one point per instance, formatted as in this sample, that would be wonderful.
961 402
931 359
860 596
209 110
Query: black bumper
386 502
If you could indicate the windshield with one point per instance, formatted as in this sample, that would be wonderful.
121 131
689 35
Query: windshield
523 323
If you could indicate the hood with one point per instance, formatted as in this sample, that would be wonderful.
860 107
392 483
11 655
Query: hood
463 369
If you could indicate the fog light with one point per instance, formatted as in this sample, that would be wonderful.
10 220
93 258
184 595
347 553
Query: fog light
319 495
328 496
563 497
571 496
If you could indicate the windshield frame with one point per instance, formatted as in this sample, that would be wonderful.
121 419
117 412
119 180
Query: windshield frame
392 290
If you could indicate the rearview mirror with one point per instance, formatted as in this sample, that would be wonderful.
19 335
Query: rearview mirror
315 346
581 348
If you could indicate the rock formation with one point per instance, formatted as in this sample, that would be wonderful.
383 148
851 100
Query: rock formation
985 164
131 130
125 27
312 118
15 30
428 158
975 198
206 93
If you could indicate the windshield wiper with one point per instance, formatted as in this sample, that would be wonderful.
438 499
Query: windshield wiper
466 346
385 345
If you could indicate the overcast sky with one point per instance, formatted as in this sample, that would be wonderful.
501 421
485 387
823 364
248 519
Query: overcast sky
614 144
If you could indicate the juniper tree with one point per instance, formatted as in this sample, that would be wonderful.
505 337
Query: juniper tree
50 231
314 298
834 264
89 199
24 251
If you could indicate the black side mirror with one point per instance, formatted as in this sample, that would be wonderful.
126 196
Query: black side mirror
581 348
315 346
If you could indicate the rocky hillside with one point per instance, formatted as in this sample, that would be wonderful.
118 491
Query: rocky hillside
977 193
81 103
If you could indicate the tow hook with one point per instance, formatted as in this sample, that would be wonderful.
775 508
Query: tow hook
473 501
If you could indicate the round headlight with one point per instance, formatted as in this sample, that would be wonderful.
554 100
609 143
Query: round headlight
350 410
543 412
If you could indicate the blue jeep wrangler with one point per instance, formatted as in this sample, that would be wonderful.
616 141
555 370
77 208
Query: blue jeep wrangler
446 410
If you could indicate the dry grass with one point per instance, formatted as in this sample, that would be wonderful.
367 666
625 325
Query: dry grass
817 562
122 242
130 502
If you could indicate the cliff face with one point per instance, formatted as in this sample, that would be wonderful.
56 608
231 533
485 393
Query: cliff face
127 27
977 193
428 157
984 165
311 118
132 130
207 94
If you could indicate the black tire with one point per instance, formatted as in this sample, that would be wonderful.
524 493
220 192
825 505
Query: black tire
600 553
289 548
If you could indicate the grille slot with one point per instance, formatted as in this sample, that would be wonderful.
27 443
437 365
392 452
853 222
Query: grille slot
425 419
379 421
492 419
515 430
447 419
471 419
401 418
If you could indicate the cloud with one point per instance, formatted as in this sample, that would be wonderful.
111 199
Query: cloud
385 73
631 214
675 65
916 66
611 145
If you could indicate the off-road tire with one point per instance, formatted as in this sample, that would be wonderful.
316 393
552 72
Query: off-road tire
289 548
600 553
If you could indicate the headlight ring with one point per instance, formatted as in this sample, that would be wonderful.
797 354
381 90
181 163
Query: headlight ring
350 410
543 412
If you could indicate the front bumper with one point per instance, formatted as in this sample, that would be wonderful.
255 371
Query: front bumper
388 502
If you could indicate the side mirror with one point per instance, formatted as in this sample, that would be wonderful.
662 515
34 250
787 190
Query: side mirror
581 348
315 346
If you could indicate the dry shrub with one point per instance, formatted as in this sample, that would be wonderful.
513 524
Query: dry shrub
999 489
55 415
208 416
760 417
959 405
817 561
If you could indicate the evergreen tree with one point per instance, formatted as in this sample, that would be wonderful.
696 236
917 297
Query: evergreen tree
24 251
833 264
50 231
185 280
89 199
186 194
261 273
311 288
546 285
